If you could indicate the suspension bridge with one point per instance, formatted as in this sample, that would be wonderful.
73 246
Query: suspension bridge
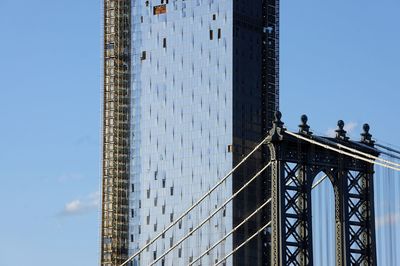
333 201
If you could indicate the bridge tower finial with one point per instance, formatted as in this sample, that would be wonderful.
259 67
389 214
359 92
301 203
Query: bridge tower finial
304 128
276 133
366 137
340 132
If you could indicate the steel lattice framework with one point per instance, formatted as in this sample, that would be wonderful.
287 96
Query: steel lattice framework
295 164
116 112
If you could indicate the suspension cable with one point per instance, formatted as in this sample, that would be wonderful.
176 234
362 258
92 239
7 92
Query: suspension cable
389 154
195 204
319 182
387 148
244 243
211 215
357 151
341 151
245 220
231 232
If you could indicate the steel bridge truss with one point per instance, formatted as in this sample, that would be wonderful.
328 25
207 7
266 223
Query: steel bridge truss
295 164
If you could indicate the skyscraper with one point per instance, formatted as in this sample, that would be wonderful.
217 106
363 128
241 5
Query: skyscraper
190 87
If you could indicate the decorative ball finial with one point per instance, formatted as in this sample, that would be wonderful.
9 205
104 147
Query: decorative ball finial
366 128
278 116
304 119
340 132
278 122
276 132
340 124
366 137
304 128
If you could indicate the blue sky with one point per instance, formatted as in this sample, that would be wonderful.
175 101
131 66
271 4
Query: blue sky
339 60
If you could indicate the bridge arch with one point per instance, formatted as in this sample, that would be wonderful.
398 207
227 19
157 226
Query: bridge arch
323 221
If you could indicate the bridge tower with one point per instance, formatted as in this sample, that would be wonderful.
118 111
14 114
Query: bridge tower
295 164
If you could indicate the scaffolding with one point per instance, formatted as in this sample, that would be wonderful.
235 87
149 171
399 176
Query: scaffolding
270 62
116 123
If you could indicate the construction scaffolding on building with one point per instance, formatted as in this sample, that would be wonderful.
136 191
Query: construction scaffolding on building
116 113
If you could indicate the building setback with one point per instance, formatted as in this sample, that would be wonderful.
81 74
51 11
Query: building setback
190 87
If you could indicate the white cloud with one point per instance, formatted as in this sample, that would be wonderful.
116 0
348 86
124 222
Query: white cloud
73 206
349 127
82 206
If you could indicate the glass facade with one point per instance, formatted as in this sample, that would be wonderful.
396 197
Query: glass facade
181 125
203 87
